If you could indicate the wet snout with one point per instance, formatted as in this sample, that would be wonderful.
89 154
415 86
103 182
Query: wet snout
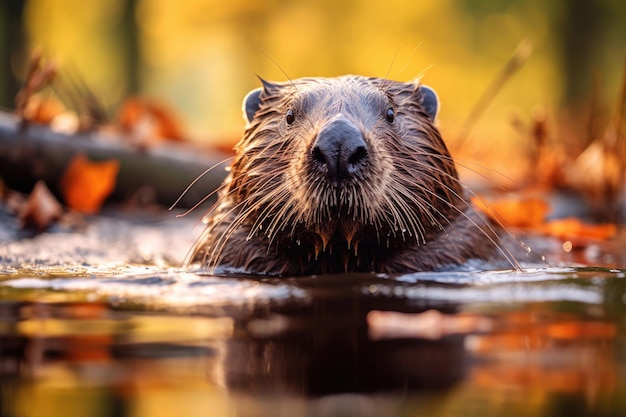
340 151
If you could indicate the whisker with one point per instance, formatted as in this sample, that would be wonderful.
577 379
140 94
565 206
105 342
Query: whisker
420 75
393 60
503 250
467 164
206 171
202 200
407 196
279 67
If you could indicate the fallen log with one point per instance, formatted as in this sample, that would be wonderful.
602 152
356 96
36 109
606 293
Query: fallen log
29 152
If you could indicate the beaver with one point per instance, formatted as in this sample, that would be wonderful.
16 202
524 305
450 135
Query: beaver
345 174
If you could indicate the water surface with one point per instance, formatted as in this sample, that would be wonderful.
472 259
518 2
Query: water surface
97 323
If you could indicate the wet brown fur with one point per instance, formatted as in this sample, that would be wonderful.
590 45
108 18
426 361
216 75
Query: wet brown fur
405 211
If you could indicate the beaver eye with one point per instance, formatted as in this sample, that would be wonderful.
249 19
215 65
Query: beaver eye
290 117
391 115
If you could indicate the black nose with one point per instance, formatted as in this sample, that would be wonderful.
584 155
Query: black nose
340 150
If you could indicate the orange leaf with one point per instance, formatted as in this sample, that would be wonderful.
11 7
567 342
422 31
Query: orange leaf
148 120
514 211
42 110
574 228
580 330
41 209
85 184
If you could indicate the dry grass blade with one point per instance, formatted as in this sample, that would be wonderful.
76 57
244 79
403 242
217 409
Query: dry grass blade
614 140
39 75
72 89
519 58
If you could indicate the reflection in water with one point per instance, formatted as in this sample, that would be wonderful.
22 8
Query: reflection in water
354 345
324 348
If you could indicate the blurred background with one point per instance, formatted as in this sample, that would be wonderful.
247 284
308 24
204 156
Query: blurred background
202 56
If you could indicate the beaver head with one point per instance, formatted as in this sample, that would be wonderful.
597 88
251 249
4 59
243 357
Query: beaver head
333 174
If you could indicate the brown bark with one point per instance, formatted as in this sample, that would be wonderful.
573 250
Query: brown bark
32 152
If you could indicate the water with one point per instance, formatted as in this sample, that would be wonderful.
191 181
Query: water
102 323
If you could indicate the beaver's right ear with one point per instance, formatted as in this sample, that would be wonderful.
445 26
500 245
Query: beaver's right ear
430 101
251 103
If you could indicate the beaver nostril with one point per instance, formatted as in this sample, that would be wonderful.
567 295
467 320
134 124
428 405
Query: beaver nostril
318 155
360 153
340 150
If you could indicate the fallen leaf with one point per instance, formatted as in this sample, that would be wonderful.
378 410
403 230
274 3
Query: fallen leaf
529 213
43 110
41 209
572 227
521 212
581 330
85 185
148 121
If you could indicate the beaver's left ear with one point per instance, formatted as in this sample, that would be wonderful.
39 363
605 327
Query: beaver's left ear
252 100
430 101
251 103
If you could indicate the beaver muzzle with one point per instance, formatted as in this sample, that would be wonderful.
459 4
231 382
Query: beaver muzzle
340 151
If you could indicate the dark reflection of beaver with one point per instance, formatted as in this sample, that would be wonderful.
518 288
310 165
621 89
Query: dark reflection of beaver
342 174
325 347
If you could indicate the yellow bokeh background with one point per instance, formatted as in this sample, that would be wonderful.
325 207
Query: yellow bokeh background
202 56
